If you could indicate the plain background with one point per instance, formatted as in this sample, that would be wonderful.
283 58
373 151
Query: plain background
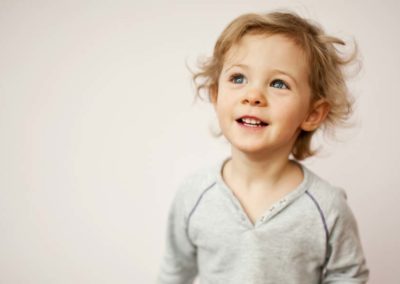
98 127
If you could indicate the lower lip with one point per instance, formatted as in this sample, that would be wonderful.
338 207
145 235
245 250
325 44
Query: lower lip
251 127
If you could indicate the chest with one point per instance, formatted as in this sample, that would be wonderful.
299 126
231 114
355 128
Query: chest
222 232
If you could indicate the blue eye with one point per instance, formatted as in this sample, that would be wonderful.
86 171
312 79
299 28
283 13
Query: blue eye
238 79
279 84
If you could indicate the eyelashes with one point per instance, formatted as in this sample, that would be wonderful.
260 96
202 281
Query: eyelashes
279 84
237 79
240 79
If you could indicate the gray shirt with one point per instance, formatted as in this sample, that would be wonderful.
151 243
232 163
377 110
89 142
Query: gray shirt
309 236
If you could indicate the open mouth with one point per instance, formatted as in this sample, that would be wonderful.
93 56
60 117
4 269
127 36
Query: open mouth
251 122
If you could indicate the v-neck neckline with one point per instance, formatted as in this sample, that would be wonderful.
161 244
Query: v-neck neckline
275 208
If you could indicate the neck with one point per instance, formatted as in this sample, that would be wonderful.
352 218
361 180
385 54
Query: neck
257 171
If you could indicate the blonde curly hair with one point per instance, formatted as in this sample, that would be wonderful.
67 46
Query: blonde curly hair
326 77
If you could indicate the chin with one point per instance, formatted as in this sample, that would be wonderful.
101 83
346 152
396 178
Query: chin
250 149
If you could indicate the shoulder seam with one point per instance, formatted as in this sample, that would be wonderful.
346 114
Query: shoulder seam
323 219
195 207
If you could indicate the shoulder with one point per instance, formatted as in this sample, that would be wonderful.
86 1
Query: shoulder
194 186
331 199
334 209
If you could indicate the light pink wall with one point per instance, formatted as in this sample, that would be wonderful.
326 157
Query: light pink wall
97 128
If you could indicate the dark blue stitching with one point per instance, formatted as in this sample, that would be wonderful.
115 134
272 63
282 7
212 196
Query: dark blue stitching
194 208
328 250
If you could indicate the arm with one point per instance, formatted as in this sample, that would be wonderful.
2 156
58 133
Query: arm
346 263
179 265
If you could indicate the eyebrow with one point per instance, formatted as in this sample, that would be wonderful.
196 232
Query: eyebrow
244 66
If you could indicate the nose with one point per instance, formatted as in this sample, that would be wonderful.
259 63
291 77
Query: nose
255 97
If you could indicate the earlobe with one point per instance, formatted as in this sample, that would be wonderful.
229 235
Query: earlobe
316 116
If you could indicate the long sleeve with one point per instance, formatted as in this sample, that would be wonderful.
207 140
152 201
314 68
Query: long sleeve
346 262
179 265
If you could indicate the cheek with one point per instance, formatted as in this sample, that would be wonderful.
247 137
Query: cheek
225 100
290 112
221 111
224 114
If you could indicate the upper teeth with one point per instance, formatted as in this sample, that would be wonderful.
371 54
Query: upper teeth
251 120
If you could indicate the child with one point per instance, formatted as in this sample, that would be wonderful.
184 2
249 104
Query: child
261 217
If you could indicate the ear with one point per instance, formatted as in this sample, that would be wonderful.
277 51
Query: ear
316 116
213 95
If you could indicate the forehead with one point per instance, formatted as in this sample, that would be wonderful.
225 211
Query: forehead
268 51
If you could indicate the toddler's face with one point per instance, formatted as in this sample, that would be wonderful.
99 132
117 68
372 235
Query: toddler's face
263 94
